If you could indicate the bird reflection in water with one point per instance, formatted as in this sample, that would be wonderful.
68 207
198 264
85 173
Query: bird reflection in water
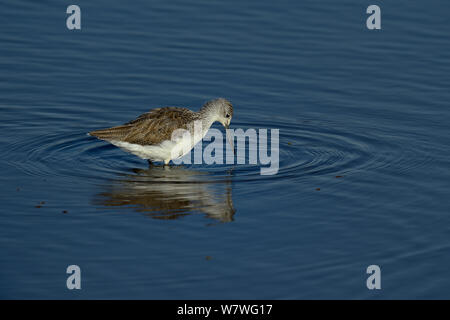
171 193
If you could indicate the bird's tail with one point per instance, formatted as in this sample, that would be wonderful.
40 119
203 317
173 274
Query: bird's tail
114 133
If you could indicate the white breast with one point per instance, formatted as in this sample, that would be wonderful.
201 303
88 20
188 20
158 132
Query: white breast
165 151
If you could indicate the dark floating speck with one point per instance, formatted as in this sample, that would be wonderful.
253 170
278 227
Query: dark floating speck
339 176
40 204
208 258
65 211
318 189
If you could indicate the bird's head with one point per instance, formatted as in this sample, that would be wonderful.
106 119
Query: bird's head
222 111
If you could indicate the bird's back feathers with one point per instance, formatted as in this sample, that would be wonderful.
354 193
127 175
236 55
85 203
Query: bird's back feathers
150 128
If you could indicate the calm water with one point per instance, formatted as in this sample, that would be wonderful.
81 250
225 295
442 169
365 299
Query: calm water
370 107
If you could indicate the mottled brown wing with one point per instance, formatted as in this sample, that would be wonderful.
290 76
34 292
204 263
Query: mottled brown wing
149 128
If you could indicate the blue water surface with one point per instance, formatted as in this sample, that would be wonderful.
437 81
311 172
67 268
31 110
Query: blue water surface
364 150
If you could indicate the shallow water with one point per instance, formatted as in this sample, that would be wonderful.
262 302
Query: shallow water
364 150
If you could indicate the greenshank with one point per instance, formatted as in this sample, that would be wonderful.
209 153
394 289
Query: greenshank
160 134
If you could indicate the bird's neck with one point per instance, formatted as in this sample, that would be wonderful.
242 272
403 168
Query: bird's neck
208 116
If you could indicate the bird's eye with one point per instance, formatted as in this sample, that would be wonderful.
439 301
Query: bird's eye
227 115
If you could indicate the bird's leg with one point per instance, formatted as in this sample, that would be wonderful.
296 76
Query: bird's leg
150 163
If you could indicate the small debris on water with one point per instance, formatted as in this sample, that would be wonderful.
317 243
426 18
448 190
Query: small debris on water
40 204
208 258
339 176
318 189
65 211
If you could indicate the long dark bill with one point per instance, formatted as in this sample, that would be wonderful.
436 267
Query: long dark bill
230 137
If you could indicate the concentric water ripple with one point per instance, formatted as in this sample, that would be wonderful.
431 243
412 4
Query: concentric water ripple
306 148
